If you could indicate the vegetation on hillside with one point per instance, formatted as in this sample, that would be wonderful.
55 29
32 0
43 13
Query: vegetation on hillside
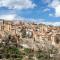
9 50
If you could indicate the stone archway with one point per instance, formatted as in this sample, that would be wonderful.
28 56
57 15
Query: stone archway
57 39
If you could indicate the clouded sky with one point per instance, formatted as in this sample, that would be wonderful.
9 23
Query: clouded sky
30 10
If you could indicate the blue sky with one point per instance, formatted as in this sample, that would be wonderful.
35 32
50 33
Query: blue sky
30 10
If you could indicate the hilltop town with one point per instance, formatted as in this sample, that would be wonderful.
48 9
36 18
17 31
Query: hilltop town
30 35
30 31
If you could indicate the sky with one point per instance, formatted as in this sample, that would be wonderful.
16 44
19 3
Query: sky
31 10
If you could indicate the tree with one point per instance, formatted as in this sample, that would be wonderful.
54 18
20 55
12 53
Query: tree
10 50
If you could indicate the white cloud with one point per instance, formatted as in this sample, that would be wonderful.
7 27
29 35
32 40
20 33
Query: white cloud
45 10
52 23
57 24
17 4
56 5
46 1
51 14
8 17
16 17
31 19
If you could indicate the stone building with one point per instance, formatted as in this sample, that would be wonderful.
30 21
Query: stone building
7 25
